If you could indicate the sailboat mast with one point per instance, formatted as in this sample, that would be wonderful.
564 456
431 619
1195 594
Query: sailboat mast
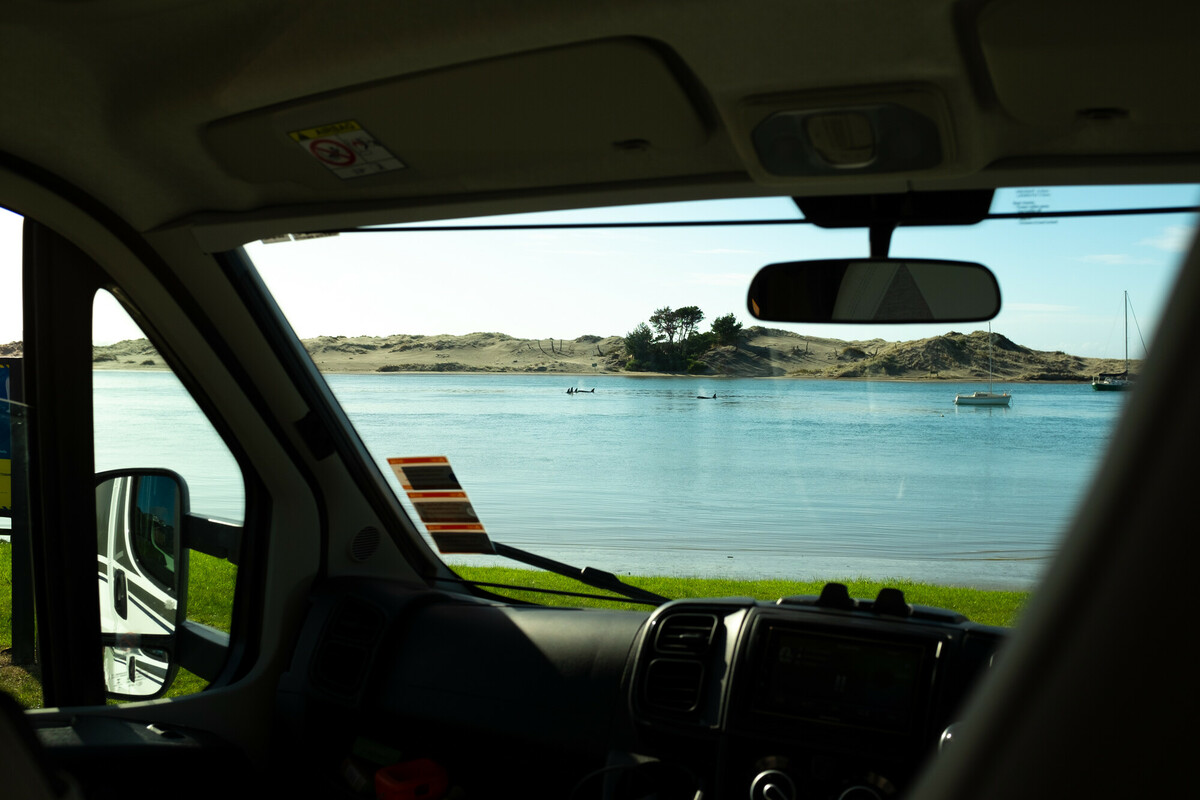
989 358
1126 333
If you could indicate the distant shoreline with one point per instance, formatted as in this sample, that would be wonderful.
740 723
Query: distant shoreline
953 357
626 374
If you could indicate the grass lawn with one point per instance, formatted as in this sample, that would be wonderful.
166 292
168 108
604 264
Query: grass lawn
211 587
23 684
210 597
988 607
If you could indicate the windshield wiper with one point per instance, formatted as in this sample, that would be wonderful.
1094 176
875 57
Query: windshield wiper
431 483
596 578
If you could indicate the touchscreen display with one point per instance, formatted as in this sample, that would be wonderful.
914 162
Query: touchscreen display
840 680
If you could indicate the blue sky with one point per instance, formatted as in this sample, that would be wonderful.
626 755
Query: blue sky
1062 282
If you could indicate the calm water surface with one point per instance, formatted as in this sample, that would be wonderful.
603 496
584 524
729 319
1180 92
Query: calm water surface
772 478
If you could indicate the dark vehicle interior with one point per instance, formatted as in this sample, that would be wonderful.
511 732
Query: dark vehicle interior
145 143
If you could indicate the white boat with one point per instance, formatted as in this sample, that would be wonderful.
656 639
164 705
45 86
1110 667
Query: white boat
988 398
984 398
1117 381
1112 382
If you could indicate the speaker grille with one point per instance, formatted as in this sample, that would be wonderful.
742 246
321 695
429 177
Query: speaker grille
365 543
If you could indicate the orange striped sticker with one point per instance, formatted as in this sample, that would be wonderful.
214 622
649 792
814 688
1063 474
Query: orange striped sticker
419 460
441 504
415 496
421 473
457 543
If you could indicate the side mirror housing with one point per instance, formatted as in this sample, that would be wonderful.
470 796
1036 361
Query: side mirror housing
143 575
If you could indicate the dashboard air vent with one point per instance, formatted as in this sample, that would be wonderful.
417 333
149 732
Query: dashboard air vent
347 646
677 662
685 634
674 685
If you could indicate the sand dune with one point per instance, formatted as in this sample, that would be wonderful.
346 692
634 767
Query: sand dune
764 352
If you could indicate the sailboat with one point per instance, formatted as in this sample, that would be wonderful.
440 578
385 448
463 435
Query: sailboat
1117 381
988 398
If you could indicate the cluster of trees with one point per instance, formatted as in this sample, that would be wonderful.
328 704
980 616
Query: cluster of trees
673 341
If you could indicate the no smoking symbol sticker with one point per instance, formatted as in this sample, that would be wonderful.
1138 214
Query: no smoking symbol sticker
346 149
332 152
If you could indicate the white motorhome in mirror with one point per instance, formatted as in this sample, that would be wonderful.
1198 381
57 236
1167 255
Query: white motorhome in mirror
142 571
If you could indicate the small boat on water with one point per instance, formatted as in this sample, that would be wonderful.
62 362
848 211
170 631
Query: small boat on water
988 398
1112 382
1117 381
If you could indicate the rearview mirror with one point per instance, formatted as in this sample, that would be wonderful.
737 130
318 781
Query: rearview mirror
874 290
143 572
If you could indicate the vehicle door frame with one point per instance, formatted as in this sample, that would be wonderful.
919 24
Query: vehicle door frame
59 284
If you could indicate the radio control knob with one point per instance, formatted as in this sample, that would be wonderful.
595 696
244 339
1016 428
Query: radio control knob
772 784
859 792
950 736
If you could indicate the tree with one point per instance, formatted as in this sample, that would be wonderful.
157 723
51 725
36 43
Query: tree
666 322
688 318
639 343
667 347
727 330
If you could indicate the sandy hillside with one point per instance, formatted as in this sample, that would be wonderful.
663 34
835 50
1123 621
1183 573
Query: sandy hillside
475 352
764 352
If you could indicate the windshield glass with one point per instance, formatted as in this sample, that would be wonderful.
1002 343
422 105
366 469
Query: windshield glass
604 398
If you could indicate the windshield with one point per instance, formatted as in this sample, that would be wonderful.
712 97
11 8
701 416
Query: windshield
604 398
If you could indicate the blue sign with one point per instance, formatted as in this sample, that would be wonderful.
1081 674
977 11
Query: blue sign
6 381
5 394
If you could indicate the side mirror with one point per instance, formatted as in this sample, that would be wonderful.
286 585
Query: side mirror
874 290
143 572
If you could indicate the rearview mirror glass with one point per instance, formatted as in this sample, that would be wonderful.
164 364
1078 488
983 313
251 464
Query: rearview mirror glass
874 290
142 566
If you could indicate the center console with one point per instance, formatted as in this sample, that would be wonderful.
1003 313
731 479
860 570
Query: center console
813 697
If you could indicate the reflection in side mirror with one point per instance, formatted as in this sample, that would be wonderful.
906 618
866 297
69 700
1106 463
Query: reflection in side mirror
874 290
142 567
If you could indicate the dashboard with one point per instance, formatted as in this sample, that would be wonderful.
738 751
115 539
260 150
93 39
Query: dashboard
823 696
806 697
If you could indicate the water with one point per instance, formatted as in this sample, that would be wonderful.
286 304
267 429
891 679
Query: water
772 478
147 419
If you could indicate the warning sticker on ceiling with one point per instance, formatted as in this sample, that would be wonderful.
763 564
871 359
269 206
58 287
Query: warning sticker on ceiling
441 503
346 149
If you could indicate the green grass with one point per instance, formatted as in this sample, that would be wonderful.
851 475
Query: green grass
23 684
210 590
988 607
211 586
210 601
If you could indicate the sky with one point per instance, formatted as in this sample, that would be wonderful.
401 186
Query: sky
1062 281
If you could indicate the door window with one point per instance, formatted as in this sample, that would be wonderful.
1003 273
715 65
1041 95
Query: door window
161 464
19 673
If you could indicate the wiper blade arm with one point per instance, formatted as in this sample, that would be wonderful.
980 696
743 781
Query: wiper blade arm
596 578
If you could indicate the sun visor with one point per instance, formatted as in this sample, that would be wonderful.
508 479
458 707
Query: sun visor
1058 62
608 108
